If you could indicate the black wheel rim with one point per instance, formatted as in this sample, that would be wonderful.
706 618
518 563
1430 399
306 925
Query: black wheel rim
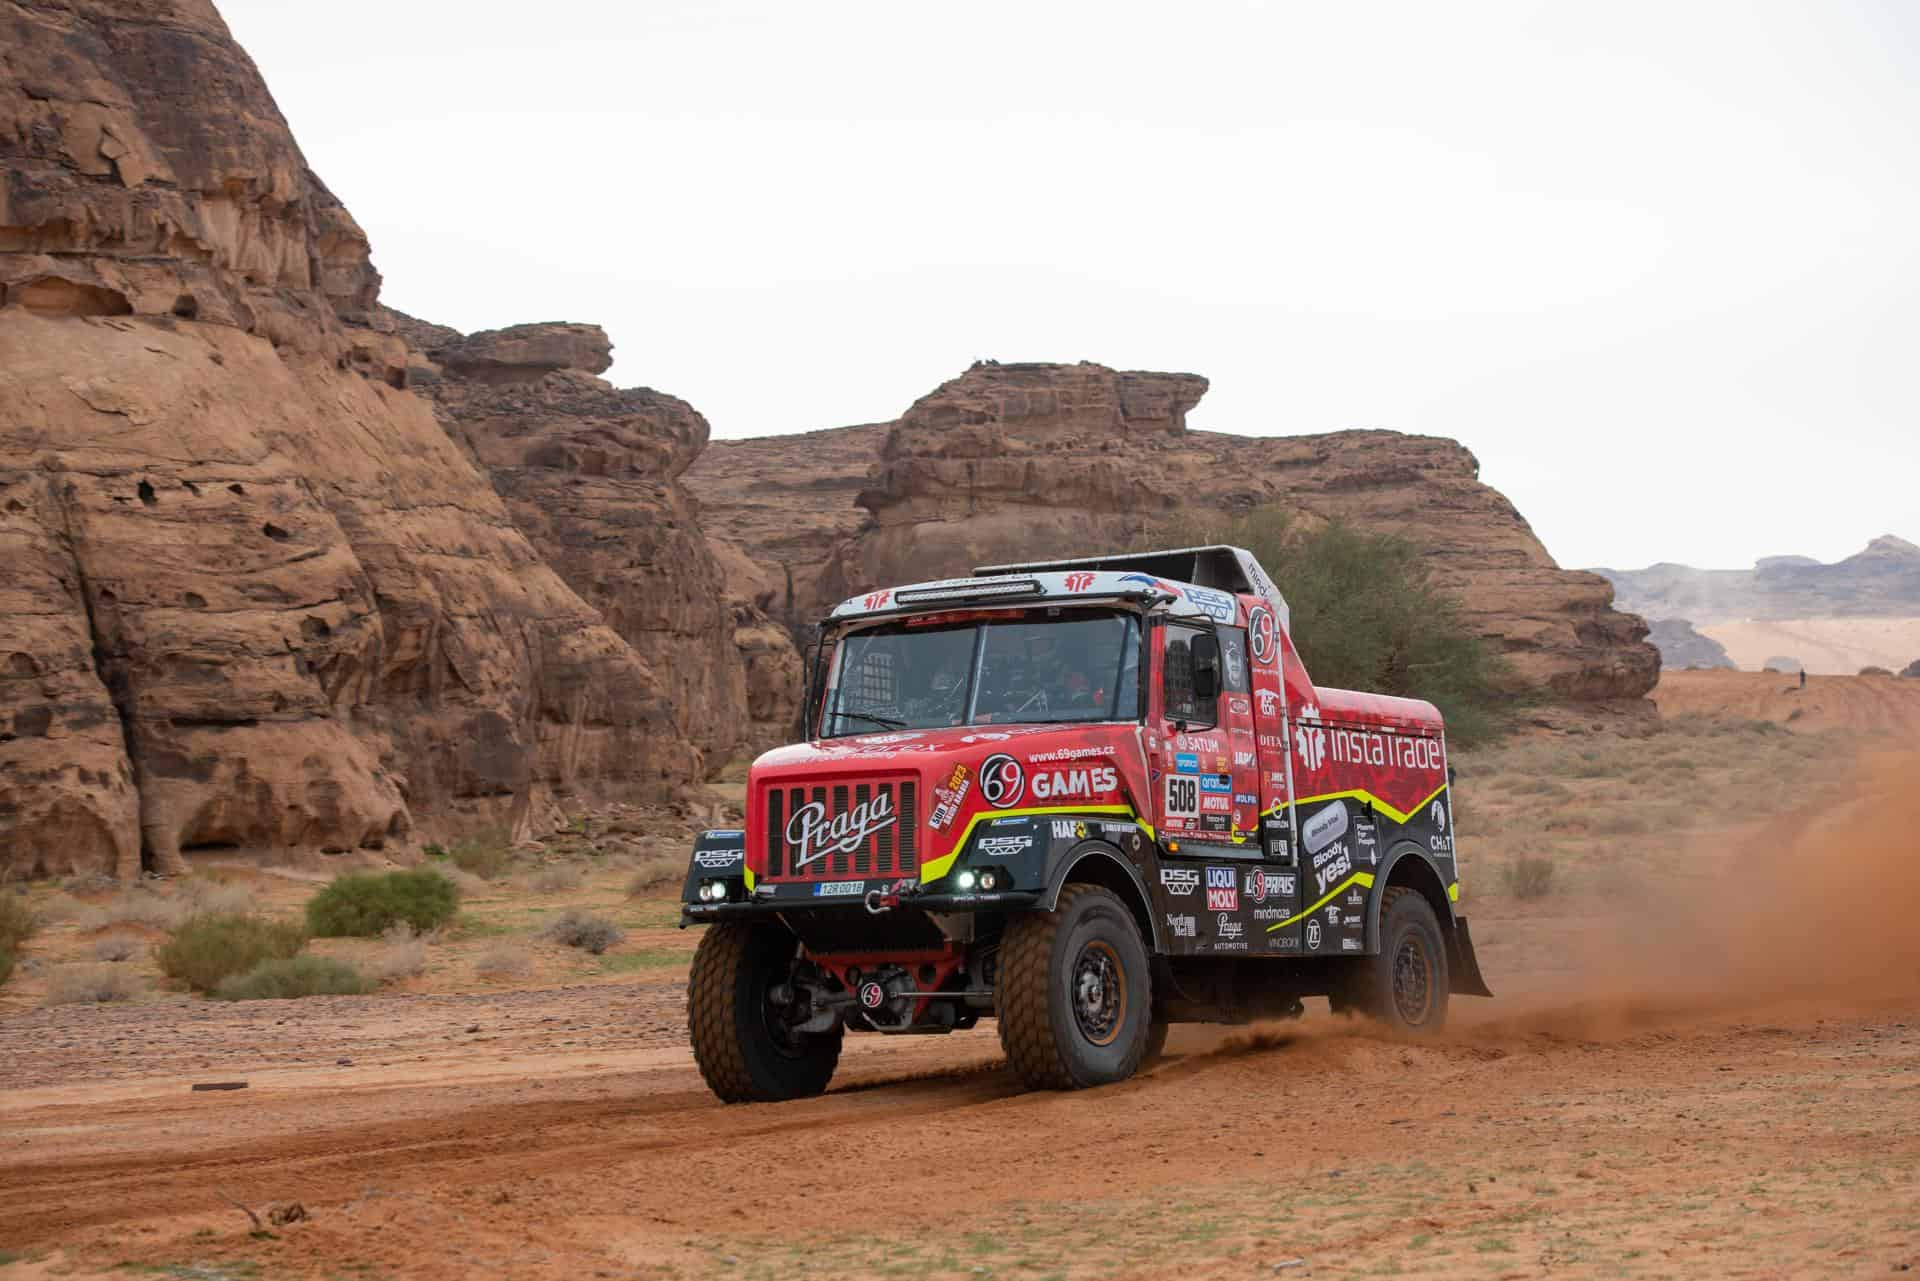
786 1041
1412 980
1099 992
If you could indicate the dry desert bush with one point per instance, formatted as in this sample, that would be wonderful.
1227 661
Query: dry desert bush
91 984
502 960
577 928
116 947
166 907
555 878
17 924
402 955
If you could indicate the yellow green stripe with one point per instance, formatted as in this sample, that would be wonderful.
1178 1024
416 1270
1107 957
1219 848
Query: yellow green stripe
1363 879
933 869
1362 794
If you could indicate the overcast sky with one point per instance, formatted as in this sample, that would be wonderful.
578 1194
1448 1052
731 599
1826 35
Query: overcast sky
1657 264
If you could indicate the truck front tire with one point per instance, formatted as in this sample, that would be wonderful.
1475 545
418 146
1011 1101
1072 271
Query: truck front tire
740 1039
1405 986
1074 996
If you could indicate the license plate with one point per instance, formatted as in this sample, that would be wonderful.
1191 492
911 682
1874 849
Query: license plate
825 888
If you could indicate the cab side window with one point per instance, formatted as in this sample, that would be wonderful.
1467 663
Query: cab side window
1177 694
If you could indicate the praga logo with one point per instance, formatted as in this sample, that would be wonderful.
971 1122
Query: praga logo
877 600
1228 928
813 836
1261 631
1063 783
1002 781
1079 582
1310 743
1222 894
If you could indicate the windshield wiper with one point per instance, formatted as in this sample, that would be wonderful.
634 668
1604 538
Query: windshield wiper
886 721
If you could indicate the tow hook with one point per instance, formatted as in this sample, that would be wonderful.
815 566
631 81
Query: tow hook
878 902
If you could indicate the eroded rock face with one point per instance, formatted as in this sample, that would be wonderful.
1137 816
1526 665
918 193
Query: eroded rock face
1011 462
252 593
591 475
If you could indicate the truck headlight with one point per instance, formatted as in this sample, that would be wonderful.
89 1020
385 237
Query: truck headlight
964 880
988 880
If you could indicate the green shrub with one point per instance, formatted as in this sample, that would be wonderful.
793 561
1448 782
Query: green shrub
1528 877
485 854
1367 614
282 978
576 928
206 949
365 905
17 922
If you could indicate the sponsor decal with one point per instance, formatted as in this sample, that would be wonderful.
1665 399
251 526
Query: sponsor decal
984 736
1273 743
1067 829
1010 822
1327 824
1228 928
1284 942
947 795
1364 833
1186 762
1356 899
1182 796
872 995
1230 655
1333 916
1269 701
1005 846
1349 945
712 859
1222 894
1310 744
1215 803
1440 844
1369 747
1120 829
1245 760
1262 633
1147 580
1336 865
876 600
1180 881
1059 784
813 836
1213 822
721 833
1182 927
1271 913
1237 706
1313 936
825 888
1218 606
1438 813
1216 782
1079 582
1262 885
1071 754
1003 781
1245 798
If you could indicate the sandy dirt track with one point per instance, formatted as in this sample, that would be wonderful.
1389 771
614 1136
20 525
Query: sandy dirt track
1859 704
1681 1084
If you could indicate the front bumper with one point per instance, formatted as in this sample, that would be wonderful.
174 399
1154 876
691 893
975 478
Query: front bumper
774 905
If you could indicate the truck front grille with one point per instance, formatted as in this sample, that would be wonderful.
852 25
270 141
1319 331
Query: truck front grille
801 826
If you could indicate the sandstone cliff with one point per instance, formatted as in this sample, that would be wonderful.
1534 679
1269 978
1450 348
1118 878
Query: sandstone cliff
1011 461
251 592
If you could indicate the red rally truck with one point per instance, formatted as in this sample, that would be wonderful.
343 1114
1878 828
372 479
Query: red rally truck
1089 798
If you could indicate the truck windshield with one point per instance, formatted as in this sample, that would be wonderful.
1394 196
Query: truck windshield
1082 666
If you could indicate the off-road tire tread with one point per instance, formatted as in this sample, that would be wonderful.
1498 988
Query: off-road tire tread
1369 987
711 984
1022 994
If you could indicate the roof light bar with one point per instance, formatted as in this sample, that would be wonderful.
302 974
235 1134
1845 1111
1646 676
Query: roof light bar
969 589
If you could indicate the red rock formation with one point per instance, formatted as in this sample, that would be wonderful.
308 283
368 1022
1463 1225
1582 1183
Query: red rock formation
1009 461
254 595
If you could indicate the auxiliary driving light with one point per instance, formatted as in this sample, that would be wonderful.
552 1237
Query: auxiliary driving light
988 880
964 880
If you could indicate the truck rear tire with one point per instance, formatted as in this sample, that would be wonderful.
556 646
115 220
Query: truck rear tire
1405 986
740 1039
1074 997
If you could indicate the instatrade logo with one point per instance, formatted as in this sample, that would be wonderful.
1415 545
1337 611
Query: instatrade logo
1310 742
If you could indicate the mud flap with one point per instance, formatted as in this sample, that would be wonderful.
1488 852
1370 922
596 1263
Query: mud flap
1463 965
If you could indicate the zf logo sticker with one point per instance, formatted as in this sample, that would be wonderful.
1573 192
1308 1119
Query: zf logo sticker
1002 781
1313 936
1183 796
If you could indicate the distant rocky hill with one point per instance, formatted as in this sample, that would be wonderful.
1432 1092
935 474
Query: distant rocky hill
1883 580
1020 460
1682 647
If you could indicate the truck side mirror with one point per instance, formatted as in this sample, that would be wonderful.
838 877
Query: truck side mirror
1206 667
